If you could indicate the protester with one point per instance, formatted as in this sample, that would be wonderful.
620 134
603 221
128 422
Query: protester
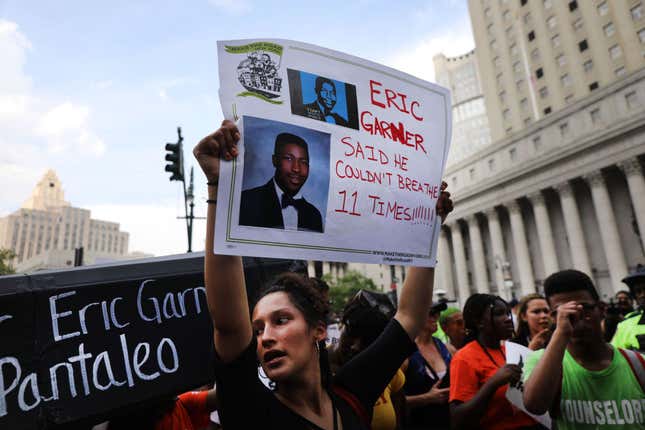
427 378
583 381
365 317
624 302
452 323
479 375
188 411
534 322
630 333
285 333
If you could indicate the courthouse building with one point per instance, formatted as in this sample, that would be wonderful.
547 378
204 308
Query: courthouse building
45 231
561 185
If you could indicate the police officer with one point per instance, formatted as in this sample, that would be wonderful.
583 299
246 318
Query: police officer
630 333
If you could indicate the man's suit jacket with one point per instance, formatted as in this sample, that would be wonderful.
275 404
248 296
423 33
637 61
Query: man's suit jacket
312 110
260 208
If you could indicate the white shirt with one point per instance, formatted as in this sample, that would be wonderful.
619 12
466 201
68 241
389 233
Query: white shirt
290 213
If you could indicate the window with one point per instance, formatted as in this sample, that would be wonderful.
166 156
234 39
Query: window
524 104
583 46
552 22
631 100
641 35
568 99
491 165
620 71
535 54
564 129
531 35
527 120
527 18
603 8
509 129
561 59
593 86
566 80
454 181
506 114
609 29
523 2
513 49
637 12
502 96
577 24
518 84
588 65
537 143
547 110
493 44
517 67
497 61
487 12
499 79
539 73
555 41
595 115
512 153
472 173
615 52
547 4
491 30
506 15
573 5
544 92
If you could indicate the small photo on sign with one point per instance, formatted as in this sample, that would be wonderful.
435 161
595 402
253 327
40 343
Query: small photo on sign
323 99
286 176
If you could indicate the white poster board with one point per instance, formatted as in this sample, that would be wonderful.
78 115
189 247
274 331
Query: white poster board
376 143
517 354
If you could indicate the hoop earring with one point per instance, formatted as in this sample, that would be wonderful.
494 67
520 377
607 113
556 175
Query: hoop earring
317 347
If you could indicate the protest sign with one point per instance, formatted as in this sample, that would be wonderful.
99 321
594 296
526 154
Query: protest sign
339 158
517 354
88 343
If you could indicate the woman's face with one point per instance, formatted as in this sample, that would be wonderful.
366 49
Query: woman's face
537 316
497 321
285 342
431 323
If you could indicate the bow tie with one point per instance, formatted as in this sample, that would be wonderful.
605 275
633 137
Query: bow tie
287 200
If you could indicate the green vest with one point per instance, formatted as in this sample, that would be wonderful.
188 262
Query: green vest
627 331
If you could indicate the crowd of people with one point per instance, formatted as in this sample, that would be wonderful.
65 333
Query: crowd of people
416 364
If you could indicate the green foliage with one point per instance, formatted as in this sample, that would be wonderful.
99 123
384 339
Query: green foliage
346 287
6 255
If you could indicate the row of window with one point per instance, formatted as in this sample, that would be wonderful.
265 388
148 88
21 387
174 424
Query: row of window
595 116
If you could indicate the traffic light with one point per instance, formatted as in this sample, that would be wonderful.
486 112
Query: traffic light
176 158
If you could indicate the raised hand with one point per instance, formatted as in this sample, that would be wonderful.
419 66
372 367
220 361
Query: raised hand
444 203
221 144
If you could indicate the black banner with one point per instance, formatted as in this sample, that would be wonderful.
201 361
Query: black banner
84 343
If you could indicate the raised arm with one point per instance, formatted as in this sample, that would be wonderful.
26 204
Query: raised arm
541 388
416 296
223 274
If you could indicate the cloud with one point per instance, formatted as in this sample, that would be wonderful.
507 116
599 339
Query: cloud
417 60
153 229
32 125
232 7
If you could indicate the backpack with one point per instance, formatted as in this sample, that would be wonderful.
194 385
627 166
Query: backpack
637 364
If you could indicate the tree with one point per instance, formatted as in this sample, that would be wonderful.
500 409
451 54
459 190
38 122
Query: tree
6 255
346 287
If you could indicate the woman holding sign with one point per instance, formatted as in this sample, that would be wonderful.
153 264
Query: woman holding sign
285 333
479 374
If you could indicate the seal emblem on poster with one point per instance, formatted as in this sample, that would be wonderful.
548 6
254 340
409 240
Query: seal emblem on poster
259 71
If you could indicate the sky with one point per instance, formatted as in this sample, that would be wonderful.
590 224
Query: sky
94 90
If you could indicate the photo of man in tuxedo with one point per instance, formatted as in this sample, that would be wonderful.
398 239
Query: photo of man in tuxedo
321 108
279 203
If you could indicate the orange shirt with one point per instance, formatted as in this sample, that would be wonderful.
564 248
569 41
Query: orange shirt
190 413
470 368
